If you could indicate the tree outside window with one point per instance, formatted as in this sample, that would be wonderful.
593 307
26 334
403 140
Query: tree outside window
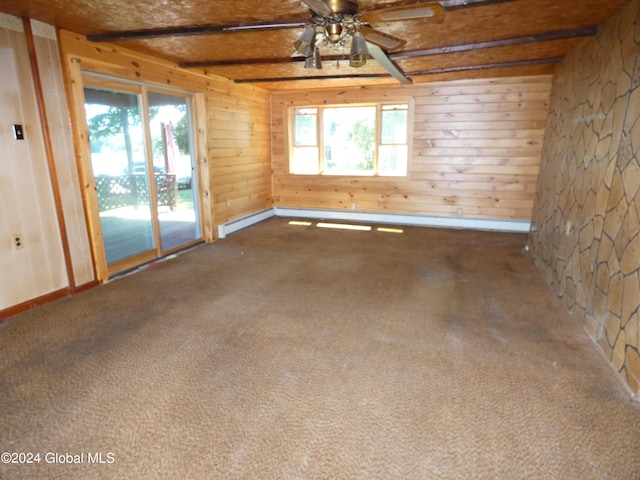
350 140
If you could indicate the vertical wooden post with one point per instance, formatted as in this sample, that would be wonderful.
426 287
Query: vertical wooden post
72 73
203 174
152 179
53 175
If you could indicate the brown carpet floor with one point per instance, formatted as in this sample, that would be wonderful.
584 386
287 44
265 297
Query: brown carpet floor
293 352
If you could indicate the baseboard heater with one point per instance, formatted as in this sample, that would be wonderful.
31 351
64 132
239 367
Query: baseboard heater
516 226
228 228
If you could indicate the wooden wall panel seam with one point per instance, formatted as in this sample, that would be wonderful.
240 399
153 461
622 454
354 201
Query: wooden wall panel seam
481 136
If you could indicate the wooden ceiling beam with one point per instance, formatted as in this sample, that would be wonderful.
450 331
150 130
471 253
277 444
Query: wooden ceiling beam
467 68
210 29
257 61
446 4
544 37
196 30
507 42
458 4
314 77
522 63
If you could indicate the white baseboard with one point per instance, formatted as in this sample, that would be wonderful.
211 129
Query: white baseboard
519 226
244 222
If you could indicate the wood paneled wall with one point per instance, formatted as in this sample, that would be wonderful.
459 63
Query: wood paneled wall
233 163
476 150
586 222
59 124
27 204
232 135
239 149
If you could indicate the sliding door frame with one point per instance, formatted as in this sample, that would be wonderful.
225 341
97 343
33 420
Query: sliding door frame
190 100
80 78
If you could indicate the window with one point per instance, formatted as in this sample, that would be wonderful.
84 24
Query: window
142 156
350 140
305 150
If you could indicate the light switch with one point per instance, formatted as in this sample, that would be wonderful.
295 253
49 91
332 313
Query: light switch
18 132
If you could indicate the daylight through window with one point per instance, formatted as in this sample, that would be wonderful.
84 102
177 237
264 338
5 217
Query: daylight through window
350 140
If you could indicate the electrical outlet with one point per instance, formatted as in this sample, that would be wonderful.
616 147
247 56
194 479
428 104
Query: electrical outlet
16 241
228 202
459 211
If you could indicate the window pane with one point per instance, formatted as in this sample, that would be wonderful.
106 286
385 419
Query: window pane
394 124
171 140
305 127
392 160
349 140
118 157
305 160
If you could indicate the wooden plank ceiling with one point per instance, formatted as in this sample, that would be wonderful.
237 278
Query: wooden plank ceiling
477 38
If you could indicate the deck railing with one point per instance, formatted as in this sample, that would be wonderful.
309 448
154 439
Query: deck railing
131 190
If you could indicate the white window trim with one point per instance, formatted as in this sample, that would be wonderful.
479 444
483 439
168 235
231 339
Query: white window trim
320 138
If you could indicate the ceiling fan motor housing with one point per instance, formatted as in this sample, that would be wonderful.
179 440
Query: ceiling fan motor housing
345 7
334 32
340 22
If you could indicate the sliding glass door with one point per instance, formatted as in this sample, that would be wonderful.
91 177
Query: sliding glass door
170 128
141 144
119 164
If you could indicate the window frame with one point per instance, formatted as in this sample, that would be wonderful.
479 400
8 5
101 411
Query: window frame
320 141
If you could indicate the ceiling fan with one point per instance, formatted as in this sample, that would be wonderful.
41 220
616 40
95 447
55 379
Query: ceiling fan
333 21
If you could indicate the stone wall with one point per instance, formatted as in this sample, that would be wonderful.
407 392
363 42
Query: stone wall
586 218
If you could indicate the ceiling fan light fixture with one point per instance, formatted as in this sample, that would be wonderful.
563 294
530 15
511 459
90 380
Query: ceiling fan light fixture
317 60
305 43
334 32
359 51
313 61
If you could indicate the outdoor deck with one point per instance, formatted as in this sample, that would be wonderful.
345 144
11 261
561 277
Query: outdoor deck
128 231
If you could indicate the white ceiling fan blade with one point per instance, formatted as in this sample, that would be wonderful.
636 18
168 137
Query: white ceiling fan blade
378 55
384 40
319 7
430 12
